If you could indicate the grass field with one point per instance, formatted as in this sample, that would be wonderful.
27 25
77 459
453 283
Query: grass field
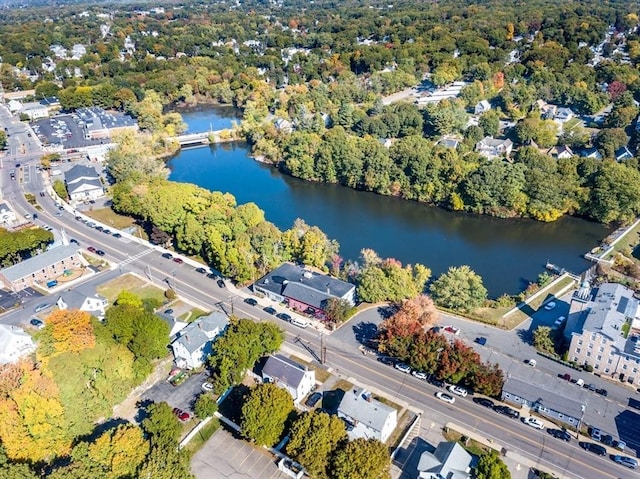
203 436
133 284
192 315
630 240
109 217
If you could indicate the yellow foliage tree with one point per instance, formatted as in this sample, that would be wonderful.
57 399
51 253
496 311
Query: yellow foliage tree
120 451
67 331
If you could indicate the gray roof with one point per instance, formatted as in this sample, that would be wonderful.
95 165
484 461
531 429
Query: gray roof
97 118
449 460
79 172
284 369
287 275
612 305
80 184
553 395
37 263
371 412
193 336
494 142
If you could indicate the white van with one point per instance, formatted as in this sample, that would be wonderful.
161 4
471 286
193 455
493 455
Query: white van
299 322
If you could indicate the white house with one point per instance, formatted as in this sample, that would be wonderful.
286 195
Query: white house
83 183
295 378
366 417
14 344
560 152
491 148
7 216
93 304
563 114
623 154
193 344
591 153
449 460
481 107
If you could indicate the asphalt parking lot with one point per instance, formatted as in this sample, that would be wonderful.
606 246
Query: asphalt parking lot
224 457
181 396
62 129
8 299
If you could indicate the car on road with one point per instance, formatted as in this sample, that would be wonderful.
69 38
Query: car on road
27 216
284 317
117 235
607 440
625 461
99 252
251 301
107 232
167 255
168 311
58 213
445 397
91 249
602 392
437 382
419 374
451 330
462 392
74 241
180 414
595 434
178 260
42 307
201 270
221 283
269 310
313 399
389 361
560 434
36 323
507 411
620 445
481 340
99 228
531 362
533 422
402 367
207 387
484 402
594 448
565 376
550 305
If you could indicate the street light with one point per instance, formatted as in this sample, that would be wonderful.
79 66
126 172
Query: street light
583 407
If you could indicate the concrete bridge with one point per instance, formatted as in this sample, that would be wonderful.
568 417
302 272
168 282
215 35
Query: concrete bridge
203 138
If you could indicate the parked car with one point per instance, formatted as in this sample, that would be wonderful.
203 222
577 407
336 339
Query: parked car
565 376
207 387
484 402
402 367
168 311
602 392
607 439
42 307
284 317
221 283
106 231
167 255
595 448
437 382
99 252
620 445
313 399
91 249
99 228
533 422
74 241
178 260
419 374
201 270
182 415
251 301
595 434
451 329
462 392
445 397
117 235
550 305
37 323
386 360
507 411
626 461
531 362
269 310
481 340
560 434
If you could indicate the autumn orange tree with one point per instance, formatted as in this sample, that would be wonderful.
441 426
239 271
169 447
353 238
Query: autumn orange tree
67 331
411 319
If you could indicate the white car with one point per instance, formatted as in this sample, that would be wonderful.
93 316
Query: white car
531 362
462 392
207 386
550 305
534 422
403 367
445 397
419 375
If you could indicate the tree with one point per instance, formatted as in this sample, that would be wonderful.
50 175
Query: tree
60 189
264 413
67 331
459 288
205 406
166 462
119 451
337 310
3 140
161 425
490 466
542 340
608 140
362 459
490 122
313 438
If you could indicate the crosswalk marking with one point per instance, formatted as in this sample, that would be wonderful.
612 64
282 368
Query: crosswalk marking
131 259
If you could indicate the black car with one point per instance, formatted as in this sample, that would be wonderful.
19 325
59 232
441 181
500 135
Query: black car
251 301
387 360
560 434
74 241
168 311
167 255
607 439
221 283
117 235
602 392
99 228
484 402
594 448
269 310
201 270
212 276
35 216
313 399
284 317
99 252
507 411
107 232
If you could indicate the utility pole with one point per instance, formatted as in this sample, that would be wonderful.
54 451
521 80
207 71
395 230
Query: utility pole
323 350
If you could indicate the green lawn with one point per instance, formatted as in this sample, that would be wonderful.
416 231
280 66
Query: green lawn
203 436
321 374
571 124
630 240
109 217
131 283
191 315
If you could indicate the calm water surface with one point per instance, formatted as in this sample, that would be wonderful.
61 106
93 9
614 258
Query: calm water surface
508 254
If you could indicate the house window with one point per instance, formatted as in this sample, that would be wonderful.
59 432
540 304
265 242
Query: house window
606 370
624 367
575 358
588 354
601 349
590 345
560 415
597 366
634 370
599 358
578 350
593 336
580 342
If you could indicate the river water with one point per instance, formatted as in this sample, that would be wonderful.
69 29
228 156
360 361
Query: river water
508 254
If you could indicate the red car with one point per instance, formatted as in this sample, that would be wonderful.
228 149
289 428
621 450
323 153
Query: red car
182 415
178 260
91 249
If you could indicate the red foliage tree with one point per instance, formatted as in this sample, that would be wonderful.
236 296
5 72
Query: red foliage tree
615 89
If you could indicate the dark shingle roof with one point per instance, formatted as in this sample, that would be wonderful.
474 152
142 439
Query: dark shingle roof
79 172
284 369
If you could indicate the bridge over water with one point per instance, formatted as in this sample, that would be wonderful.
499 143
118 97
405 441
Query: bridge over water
218 136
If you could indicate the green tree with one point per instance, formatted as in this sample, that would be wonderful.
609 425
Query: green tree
459 288
60 189
362 459
490 466
490 122
337 310
543 341
3 140
608 140
264 414
161 425
205 406
313 438
166 462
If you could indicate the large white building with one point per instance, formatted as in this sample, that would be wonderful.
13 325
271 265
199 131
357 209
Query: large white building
367 417
193 344
14 344
83 183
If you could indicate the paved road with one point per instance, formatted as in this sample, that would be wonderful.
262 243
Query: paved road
343 357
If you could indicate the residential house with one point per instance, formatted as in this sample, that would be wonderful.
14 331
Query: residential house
78 298
367 417
449 460
563 114
285 126
303 289
40 269
14 344
623 154
289 375
591 153
83 183
561 152
7 215
449 142
481 107
561 402
547 111
194 342
596 331
491 148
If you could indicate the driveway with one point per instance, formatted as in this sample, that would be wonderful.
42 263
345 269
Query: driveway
224 457
181 396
